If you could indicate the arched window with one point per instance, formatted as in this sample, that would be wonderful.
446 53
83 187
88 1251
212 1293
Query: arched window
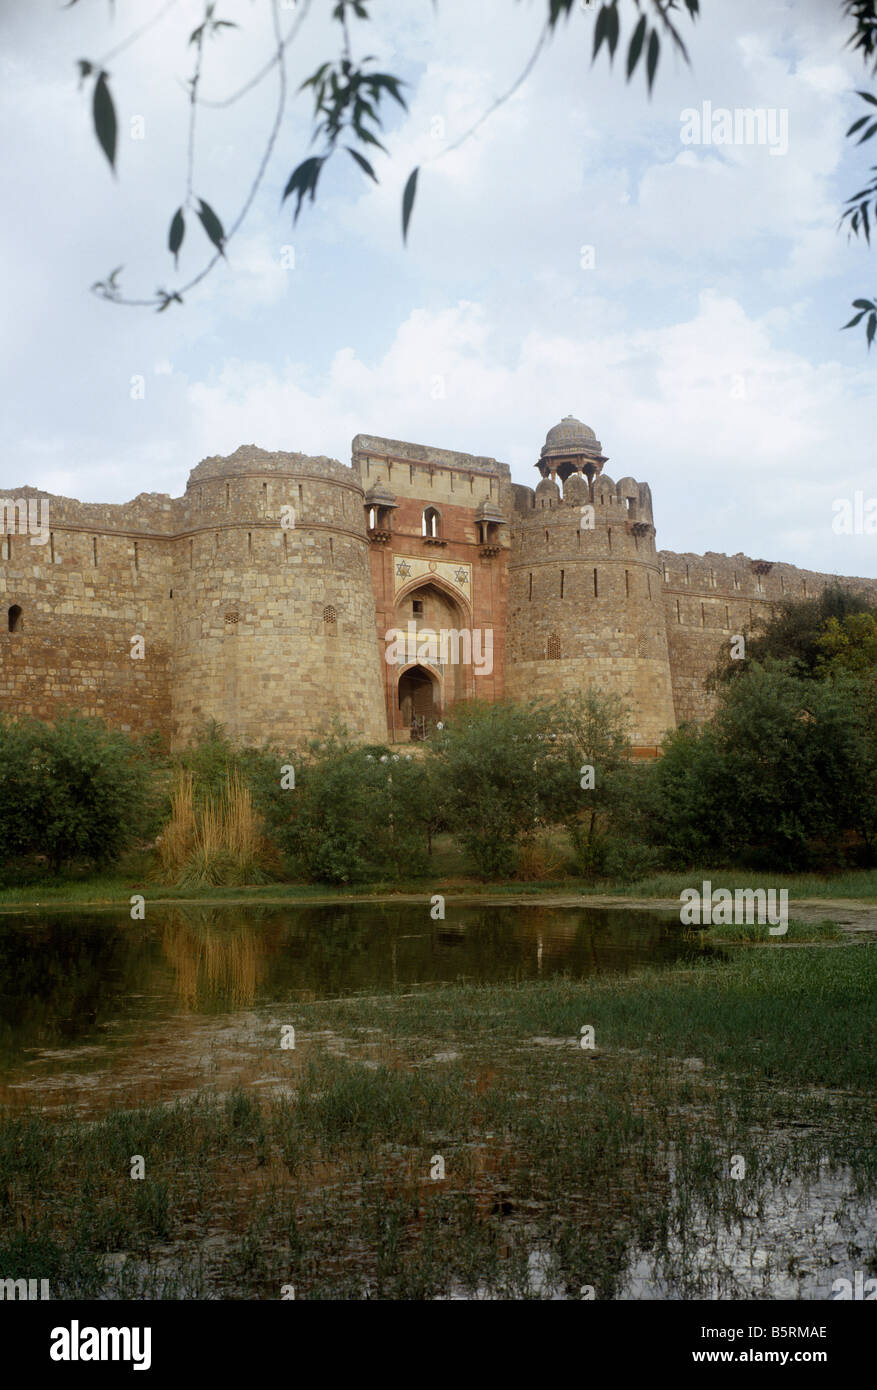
431 524
15 618
330 618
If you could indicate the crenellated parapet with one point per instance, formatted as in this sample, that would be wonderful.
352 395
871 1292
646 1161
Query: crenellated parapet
586 605
263 596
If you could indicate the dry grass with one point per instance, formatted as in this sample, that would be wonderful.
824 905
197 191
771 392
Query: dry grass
212 839
539 860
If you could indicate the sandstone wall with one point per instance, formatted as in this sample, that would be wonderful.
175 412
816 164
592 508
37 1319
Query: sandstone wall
274 628
102 578
586 604
710 598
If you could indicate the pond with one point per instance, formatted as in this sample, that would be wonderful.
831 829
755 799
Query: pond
686 1157
96 1009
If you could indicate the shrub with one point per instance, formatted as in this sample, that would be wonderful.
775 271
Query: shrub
71 790
356 814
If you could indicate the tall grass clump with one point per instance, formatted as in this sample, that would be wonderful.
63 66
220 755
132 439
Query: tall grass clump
213 837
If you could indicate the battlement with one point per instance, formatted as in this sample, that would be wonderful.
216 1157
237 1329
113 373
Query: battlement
263 595
251 460
626 499
368 447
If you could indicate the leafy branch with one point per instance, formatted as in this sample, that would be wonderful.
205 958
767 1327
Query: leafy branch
348 111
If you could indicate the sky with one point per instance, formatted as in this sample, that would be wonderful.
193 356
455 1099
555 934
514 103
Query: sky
576 255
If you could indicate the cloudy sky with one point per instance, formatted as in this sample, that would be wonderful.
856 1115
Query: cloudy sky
699 336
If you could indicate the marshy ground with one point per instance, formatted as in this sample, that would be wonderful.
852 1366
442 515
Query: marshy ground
717 1140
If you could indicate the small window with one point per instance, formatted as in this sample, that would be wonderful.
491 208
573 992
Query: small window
553 647
15 618
329 615
431 523
417 607
231 619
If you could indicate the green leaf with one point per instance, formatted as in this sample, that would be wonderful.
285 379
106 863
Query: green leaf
652 57
367 136
872 328
601 30
212 225
408 200
636 45
867 96
614 28
855 319
857 125
105 125
303 181
177 232
362 162
864 304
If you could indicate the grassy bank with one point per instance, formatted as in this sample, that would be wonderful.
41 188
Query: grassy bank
116 889
564 1168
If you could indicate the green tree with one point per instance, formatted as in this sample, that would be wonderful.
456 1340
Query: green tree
587 777
489 766
848 644
71 790
684 808
794 632
793 761
356 813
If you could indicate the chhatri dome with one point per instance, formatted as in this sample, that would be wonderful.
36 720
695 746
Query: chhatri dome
571 447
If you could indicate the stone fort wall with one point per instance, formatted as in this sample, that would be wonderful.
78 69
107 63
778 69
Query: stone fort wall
263 595
710 598
586 600
266 627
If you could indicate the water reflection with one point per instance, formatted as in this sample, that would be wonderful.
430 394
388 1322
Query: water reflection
82 994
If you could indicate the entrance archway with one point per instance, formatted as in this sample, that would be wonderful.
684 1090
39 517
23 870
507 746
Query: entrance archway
419 704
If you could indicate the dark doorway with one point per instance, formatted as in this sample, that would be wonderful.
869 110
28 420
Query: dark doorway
418 701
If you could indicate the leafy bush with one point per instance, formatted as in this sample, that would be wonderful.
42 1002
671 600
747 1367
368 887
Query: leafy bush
71 790
486 766
356 814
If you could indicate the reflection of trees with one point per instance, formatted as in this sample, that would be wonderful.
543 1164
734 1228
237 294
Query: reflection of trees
503 942
62 975
213 963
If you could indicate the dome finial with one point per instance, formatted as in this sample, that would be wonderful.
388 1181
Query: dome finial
571 445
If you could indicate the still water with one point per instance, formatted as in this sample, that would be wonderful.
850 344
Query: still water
96 1009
